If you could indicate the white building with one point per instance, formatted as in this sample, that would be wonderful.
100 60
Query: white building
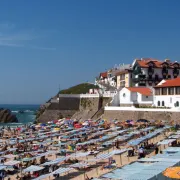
149 72
167 93
130 96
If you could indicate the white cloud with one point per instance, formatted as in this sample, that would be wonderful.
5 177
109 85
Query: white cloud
11 37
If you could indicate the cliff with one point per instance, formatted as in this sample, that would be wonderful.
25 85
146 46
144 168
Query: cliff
7 117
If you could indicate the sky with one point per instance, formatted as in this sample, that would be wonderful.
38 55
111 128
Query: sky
47 45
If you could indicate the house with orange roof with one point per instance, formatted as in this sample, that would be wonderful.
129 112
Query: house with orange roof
136 96
167 93
149 71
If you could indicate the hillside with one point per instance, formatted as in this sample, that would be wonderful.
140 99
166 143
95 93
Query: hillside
79 89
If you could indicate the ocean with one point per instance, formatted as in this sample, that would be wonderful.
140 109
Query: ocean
28 115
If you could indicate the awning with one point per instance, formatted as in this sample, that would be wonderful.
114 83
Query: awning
33 168
11 163
56 161
166 141
79 165
62 170
43 176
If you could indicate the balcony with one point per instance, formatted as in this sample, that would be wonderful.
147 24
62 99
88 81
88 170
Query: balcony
139 78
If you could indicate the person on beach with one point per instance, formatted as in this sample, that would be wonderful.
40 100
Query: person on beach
156 150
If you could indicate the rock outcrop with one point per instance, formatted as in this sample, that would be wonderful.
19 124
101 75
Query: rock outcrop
7 117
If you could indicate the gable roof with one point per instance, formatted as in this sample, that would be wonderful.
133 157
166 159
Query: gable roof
103 74
144 62
142 90
169 83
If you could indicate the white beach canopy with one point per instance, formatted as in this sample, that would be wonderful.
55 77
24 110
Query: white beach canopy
11 163
62 170
166 141
79 165
33 168
56 161
43 176
2 167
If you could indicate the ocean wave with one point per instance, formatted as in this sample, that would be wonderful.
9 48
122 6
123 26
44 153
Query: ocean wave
28 111
25 111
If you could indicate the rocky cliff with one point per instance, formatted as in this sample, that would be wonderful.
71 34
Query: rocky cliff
7 117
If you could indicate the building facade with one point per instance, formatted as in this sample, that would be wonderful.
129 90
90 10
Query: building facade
136 96
123 79
149 72
167 93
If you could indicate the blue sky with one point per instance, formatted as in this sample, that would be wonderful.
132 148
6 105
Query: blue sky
47 43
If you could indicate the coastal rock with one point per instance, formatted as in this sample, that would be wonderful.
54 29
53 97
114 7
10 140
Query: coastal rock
7 117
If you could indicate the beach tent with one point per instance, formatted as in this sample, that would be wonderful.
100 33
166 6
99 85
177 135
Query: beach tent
79 165
33 168
62 170
56 161
166 141
11 163
10 156
43 176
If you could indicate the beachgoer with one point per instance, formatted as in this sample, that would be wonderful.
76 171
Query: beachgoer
156 150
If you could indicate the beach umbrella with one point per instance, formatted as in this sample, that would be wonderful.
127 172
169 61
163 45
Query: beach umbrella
43 124
172 172
142 120
55 121
85 124
128 121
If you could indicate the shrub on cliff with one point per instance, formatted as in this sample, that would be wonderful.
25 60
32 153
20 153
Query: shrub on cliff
79 89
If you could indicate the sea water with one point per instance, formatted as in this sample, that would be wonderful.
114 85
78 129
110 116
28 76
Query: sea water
24 113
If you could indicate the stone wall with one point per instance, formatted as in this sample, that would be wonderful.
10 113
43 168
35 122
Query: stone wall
123 115
50 115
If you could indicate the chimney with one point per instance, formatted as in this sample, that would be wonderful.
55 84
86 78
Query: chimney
167 60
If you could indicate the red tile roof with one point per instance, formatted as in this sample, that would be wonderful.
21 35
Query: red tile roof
157 63
170 83
103 74
142 90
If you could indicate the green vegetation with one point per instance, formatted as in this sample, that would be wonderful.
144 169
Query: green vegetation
85 103
79 89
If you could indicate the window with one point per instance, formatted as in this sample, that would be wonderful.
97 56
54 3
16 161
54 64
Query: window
177 103
164 91
158 103
157 91
122 77
124 95
146 96
122 84
177 90
171 91
163 103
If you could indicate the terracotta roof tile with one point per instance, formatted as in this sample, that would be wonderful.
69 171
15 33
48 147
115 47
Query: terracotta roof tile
103 74
142 90
169 83
158 64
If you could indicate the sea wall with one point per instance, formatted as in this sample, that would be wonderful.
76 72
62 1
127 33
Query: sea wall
74 106
125 113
